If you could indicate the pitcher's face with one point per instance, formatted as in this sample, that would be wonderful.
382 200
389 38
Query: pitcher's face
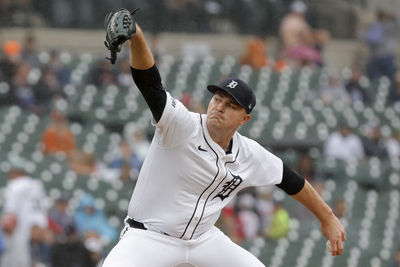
225 113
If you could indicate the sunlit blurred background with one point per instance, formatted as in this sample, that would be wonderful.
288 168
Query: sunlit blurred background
74 129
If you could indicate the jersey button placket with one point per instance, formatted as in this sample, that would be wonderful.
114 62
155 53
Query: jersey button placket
202 203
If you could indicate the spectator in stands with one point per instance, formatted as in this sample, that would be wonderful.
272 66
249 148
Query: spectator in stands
57 137
280 222
380 37
89 218
299 40
29 52
247 216
60 214
81 162
321 39
228 222
10 60
264 205
127 162
374 145
240 219
332 90
356 91
393 145
25 205
135 135
41 244
255 54
22 91
396 261
394 95
344 145
280 63
70 251
57 67
306 168
46 90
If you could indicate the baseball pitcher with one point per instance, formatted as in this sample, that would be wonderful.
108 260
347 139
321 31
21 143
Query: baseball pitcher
195 165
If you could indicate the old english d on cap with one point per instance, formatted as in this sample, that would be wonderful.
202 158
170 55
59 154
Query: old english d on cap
239 90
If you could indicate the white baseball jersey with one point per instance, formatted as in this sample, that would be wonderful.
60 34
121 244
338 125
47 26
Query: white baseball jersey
26 198
187 178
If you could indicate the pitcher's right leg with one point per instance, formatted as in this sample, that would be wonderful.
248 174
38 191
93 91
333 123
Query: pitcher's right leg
138 248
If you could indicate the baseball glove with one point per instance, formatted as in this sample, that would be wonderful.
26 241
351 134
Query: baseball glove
120 26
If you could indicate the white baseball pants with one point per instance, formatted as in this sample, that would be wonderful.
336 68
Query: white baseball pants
143 248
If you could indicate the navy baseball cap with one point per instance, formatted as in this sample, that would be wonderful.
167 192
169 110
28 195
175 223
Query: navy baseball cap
239 90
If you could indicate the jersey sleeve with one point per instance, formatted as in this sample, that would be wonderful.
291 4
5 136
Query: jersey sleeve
149 83
176 123
267 168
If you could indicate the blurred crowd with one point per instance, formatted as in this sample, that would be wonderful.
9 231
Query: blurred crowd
35 231
168 15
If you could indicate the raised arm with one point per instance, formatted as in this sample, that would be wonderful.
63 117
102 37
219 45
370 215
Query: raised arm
141 56
121 27
146 75
331 227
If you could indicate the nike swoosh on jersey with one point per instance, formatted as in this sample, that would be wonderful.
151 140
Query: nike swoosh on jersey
201 149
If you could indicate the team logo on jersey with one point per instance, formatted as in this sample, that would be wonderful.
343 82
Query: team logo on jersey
229 187
232 84
173 102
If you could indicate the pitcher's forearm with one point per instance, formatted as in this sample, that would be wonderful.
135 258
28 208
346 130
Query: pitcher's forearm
141 56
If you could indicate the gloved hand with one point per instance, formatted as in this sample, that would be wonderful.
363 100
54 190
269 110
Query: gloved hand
120 27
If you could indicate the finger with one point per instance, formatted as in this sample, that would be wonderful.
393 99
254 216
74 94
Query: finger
344 238
340 247
334 247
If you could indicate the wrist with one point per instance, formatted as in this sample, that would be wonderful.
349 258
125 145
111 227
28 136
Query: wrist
138 30
326 216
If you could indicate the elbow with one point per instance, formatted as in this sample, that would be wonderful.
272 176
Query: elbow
292 183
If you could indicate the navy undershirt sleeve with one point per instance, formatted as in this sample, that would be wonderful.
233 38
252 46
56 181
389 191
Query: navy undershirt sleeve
149 83
292 182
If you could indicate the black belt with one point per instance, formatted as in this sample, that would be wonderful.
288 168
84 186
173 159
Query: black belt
135 224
